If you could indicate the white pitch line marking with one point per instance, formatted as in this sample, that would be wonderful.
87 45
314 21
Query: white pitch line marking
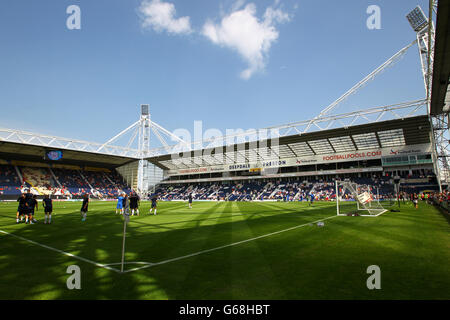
119 263
227 245
60 251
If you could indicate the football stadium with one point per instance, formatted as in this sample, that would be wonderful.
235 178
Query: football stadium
340 206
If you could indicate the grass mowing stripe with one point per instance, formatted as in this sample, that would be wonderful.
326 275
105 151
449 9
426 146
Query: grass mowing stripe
60 251
227 245
233 214
411 247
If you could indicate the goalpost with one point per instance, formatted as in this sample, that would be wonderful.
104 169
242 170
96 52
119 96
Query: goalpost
354 199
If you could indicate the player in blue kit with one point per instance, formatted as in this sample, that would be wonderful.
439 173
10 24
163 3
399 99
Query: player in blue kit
311 195
119 207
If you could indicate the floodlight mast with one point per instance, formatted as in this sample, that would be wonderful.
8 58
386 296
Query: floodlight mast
145 126
425 42
425 34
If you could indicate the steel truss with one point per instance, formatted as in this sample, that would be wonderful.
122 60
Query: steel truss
145 125
141 130
425 34
371 115
441 137
42 140
441 133
323 121
388 63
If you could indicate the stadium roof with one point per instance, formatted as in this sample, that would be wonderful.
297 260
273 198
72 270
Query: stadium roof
28 146
440 95
27 152
391 133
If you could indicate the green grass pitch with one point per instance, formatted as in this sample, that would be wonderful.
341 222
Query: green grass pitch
203 253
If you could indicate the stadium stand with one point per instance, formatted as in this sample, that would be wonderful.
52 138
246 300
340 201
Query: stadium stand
290 189
9 180
104 184
39 179
108 184
60 182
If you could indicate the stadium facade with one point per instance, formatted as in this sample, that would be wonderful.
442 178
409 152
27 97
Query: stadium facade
384 149
396 147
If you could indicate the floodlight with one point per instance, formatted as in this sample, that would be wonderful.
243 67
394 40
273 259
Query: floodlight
417 19
144 109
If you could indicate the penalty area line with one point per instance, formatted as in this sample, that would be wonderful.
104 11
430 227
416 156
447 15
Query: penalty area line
227 245
61 252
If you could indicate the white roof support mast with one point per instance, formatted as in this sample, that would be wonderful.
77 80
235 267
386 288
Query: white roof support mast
390 62
145 126
142 130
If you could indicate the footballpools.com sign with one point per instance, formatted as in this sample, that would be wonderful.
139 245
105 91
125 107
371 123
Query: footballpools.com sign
309 160
353 156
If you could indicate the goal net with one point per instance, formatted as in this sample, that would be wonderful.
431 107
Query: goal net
354 199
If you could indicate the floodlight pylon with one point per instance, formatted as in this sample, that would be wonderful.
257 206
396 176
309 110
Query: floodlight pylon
145 126
425 33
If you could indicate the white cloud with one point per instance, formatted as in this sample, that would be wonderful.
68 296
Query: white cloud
243 32
160 16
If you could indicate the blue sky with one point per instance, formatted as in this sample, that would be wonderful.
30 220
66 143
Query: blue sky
187 61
